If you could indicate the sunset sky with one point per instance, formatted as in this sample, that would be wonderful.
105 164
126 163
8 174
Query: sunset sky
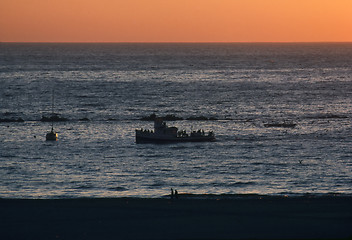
176 20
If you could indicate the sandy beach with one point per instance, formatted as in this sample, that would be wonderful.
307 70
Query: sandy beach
182 218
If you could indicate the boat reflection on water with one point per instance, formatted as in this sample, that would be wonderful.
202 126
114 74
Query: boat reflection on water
164 134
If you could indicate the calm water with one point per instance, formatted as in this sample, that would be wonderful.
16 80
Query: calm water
243 86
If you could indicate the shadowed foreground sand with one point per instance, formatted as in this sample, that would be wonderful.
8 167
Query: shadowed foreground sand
183 218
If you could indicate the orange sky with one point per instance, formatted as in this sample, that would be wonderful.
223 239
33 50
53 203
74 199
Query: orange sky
175 20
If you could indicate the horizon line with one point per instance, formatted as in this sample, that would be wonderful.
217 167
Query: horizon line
196 42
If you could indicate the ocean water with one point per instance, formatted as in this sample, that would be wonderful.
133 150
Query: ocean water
103 90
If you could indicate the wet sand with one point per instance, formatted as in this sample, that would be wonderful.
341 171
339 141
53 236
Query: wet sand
183 218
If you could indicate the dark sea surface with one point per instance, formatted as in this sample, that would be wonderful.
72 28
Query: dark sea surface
103 90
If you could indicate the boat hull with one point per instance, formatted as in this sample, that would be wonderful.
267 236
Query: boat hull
158 139
51 136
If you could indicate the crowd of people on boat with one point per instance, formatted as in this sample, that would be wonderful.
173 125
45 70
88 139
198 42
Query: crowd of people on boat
198 133
146 130
183 133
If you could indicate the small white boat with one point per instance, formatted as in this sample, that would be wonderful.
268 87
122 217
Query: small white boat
164 134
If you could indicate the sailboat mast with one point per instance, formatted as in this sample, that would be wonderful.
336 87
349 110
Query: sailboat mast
52 135
52 110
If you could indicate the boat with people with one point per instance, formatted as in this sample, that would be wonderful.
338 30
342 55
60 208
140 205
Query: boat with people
164 134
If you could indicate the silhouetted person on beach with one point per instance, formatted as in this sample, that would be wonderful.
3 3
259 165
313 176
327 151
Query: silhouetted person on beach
172 193
176 194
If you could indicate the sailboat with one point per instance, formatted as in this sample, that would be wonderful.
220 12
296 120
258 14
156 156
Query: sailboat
52 135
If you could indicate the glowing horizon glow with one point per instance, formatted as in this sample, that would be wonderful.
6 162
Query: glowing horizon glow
175 21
